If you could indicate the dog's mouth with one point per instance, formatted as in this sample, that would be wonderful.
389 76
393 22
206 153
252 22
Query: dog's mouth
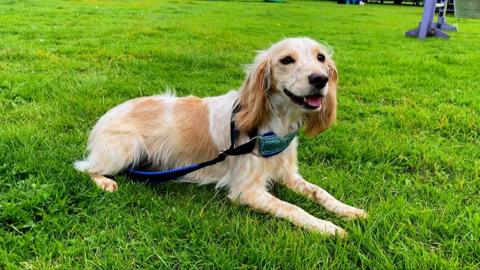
311 102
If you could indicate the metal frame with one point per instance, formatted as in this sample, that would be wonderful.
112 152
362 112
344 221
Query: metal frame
426 27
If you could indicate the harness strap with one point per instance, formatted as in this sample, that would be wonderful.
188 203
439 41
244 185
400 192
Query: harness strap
158 177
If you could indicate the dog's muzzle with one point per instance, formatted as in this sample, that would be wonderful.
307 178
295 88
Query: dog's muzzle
311 102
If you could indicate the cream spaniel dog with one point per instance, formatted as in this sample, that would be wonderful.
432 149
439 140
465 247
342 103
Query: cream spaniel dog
290 85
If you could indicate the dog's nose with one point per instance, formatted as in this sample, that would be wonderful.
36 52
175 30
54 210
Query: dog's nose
317 80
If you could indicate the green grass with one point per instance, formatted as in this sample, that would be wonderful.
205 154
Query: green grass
405 147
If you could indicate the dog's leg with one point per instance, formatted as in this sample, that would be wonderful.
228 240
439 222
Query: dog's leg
263 201
109 155
103 182
319 195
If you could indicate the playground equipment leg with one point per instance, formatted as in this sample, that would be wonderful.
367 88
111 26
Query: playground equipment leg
425 26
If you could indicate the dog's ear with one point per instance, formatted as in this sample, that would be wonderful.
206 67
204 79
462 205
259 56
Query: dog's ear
253 94
318 122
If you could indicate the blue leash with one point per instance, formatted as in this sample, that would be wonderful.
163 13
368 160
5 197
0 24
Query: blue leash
269 145
165 176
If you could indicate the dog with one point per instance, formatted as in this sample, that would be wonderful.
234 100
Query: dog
290 85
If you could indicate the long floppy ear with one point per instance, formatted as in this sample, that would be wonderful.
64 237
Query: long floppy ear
318 122
253 94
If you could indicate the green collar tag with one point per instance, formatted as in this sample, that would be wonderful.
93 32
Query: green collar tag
270 144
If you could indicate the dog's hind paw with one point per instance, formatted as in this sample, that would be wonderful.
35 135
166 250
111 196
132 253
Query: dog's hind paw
104 183
109 186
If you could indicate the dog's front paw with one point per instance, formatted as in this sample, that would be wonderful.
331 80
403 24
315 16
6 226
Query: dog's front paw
353 213
328 228
361 214
341 233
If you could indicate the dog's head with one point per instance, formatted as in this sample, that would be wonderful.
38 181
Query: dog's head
295 72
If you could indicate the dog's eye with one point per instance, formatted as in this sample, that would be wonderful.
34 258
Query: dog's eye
321 57
287 60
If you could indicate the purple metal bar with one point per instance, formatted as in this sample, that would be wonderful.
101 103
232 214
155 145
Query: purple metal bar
428 14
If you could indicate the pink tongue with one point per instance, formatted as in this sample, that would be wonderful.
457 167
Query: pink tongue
314 101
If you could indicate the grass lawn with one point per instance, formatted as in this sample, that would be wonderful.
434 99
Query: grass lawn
405 146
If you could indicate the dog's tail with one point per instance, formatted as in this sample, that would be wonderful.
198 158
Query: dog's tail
82 165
